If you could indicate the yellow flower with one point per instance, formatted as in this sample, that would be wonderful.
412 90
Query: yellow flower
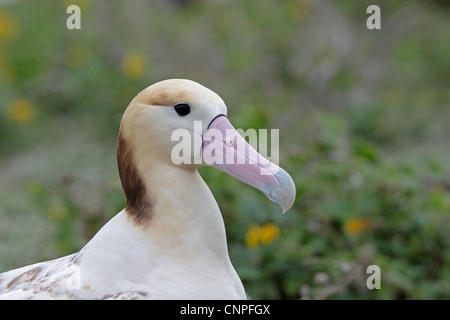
354 226
257 235
9 26
21 110
133 65
252 236
269 232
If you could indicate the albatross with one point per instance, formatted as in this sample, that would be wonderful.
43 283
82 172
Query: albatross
169 241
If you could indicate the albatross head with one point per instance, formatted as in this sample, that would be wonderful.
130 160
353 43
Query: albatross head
163 113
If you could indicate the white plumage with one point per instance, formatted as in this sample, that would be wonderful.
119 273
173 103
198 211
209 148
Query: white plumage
169 242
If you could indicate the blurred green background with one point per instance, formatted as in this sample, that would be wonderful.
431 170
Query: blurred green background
364 131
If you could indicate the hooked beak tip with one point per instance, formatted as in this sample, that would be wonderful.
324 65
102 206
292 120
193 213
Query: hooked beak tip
285 193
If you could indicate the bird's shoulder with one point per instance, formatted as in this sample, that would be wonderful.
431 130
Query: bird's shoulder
41 280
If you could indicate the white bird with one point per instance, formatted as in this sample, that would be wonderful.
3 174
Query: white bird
169 242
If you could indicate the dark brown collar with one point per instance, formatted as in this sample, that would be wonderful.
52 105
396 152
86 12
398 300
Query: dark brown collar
139 208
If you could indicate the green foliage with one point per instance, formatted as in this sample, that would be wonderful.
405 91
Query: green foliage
350 213
363 118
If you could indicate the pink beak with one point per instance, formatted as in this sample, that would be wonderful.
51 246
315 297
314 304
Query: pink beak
228 151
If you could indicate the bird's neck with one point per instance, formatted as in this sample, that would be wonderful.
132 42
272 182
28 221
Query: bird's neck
184 213
186 230
175 212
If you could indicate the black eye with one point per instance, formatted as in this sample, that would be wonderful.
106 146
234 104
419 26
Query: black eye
182 109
